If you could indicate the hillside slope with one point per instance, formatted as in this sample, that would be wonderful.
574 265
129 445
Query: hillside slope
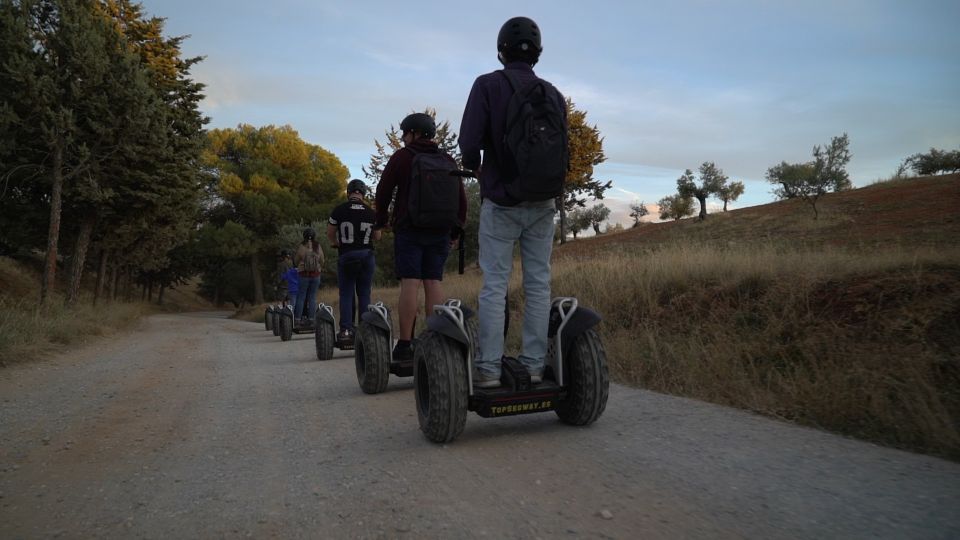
917 211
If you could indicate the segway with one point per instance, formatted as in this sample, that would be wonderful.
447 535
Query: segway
373 354
268 318
323 336
575 382
290 325
275 318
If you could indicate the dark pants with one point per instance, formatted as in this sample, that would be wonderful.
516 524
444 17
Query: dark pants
354 276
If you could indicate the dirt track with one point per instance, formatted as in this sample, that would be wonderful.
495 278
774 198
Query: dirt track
197 426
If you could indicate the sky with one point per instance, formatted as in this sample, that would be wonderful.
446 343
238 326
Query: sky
745 84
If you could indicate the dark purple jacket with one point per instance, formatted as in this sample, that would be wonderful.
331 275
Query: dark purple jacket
482 128
396 175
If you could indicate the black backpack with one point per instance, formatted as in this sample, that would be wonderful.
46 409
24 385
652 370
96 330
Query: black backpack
433 201
536 138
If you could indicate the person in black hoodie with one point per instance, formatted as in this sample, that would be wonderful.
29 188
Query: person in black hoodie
420 253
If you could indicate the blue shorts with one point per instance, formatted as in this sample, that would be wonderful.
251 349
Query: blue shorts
420 255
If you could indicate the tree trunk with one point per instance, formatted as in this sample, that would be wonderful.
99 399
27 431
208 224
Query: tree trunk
150 289
128 283
724 205
160 295
114 274
53 232
596 229
101 276
79 258
257 278
703 206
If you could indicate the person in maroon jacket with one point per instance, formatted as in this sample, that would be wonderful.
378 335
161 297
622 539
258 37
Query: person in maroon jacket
420 254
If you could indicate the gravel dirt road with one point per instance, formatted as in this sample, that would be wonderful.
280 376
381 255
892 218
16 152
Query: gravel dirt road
196 426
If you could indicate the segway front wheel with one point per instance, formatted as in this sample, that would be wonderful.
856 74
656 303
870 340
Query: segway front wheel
286 326
323 338
372 356
587 380
440 382
275 322
268 319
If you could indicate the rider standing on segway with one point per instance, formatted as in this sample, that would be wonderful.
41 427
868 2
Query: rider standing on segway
424 229
289 279
519 181
309 261
350 230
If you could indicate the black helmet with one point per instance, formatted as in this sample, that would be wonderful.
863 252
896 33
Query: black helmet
356 186
520 34
284 253
309 234
422 123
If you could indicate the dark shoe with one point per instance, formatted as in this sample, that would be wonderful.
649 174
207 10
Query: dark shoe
404 354
345 336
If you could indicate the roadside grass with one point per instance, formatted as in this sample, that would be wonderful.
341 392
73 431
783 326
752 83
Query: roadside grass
860 342
29 331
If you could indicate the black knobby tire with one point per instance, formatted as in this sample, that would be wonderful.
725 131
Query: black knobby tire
440 382
372 357
587 381
275 322
286 326
268 319
323 337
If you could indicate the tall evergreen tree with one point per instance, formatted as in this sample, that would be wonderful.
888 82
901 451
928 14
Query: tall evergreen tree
77 95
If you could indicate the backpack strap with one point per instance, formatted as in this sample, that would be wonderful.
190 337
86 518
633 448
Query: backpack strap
512 79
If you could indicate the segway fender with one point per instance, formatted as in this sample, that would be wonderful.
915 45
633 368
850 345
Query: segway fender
582 320
375 320
443 325
325 315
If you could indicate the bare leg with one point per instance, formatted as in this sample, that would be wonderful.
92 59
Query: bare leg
433 295
408 307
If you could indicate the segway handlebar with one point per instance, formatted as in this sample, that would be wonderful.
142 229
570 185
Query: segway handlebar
461 234
461 249
463 173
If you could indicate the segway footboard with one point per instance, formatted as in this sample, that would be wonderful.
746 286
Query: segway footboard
516 395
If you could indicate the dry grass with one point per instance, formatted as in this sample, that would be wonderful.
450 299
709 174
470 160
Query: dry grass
29 331
862 344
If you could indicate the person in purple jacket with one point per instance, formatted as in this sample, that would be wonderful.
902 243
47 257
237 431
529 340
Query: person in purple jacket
290 276
505 221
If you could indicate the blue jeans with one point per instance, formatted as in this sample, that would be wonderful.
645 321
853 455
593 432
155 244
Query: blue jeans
358 281
307 293
531 225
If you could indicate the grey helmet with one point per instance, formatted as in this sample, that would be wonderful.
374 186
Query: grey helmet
309 234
